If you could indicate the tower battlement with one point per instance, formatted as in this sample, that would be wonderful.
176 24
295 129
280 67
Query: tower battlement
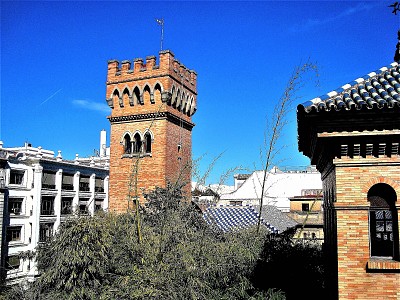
133 86
125 70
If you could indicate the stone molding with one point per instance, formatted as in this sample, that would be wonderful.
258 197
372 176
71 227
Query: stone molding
153 116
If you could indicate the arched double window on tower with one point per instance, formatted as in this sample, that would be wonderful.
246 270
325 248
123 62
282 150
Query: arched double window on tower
137 145
383 221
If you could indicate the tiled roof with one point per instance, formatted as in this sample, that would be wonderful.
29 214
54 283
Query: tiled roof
378 89
229 218
276 218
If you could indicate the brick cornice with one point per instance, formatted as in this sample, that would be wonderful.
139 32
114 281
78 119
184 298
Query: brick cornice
153 116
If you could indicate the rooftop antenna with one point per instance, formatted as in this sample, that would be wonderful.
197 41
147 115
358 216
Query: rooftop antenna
161 23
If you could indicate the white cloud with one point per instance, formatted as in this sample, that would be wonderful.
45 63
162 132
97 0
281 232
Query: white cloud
100 107
310 23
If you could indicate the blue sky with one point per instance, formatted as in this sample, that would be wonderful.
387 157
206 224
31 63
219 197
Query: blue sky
54 62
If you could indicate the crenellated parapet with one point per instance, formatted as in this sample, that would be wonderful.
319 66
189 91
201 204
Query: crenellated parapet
135 86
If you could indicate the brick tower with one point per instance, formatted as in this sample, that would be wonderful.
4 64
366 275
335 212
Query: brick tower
151 126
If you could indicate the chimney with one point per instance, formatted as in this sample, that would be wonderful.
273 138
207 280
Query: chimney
103 146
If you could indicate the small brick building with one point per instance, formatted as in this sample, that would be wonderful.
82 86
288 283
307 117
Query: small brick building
150 144
352 135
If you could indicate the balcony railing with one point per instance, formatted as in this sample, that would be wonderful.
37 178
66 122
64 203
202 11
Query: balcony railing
15 210
48 186
84 187
67 187
66 211
47 212
99 189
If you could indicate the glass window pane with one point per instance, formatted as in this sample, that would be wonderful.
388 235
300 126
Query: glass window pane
389 226
380 227
379 215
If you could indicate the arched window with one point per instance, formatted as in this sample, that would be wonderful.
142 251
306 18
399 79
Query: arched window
146 94
125 97
116 99
383 221
147 142
127 144
157 93
137 143
136 96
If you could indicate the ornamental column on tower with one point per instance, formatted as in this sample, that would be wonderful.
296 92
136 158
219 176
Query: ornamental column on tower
151 103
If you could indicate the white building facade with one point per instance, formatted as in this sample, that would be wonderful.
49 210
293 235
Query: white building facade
40 192
279 187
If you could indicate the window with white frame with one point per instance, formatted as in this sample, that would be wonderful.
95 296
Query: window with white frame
84 184
12 262
49 180
14 233
67 182
17 176
84 206
47 206
45 231
66 205
98 205
15 206
99 185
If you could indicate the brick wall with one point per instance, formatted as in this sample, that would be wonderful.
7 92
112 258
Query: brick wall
354 177
150 169
298 205
179 166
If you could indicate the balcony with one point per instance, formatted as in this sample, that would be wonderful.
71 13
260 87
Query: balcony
47 186
15 211
99 189
67 187
66 211
47 212
84 187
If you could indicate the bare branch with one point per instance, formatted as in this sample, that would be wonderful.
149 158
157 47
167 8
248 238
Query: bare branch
279 121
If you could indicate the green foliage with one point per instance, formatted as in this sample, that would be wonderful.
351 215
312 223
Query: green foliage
290 266
76 260
179 257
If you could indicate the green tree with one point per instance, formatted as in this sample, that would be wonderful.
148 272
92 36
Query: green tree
75 261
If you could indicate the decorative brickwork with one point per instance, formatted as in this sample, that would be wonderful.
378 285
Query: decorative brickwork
356 149
158 100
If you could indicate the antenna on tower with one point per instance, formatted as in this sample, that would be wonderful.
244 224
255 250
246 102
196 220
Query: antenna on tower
161 23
